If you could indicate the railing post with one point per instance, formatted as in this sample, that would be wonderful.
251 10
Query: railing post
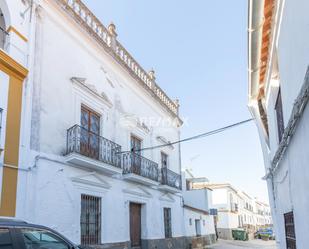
113 34
152 77
176 101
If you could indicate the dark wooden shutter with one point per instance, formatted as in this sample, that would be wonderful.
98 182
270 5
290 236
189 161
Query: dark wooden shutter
167 222
136 146
279 114
90 133
164 160
290 230
90 221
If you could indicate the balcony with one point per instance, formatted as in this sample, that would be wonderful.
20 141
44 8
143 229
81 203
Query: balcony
140 169
87 149
170 181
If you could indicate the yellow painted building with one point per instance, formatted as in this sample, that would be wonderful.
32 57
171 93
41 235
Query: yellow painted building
13 72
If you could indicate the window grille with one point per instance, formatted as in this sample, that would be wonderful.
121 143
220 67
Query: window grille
90 221
290 230
167 222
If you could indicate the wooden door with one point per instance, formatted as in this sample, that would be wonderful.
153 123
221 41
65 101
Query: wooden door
90 130
135 224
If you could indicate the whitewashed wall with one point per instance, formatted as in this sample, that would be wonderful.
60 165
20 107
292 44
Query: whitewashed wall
198 198
56 203
49 192
290 190
83 58
227 220
207 223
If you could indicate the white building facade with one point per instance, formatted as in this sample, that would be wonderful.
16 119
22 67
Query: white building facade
90 110
278 95
199 223
226 200
235 209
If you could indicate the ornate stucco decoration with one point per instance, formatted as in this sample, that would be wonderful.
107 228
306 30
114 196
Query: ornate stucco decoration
107 39
91 179
81 82
138 191
163 140
132 121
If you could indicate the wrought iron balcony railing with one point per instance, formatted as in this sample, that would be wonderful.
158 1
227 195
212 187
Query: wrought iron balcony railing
89 144
170 178
136 164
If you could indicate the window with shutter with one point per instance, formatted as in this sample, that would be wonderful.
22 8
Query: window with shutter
164 160
90 133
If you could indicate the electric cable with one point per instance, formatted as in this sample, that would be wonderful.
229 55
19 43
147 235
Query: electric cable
206 134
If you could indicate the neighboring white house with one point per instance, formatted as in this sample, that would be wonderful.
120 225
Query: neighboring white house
246 207
226 200
262 214
235 209
278 95
199 224
90 111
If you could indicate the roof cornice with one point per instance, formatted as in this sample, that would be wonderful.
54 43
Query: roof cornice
107 38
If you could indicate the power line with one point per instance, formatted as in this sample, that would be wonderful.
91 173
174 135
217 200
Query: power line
206 134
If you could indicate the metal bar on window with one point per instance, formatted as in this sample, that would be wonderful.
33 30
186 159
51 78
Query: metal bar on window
90 220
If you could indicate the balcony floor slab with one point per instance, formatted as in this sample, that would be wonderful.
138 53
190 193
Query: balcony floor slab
140 179
89 163
169 189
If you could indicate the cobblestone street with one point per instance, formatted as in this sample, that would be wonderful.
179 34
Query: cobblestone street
254 244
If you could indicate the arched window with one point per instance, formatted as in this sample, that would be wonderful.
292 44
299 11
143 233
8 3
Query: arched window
3 33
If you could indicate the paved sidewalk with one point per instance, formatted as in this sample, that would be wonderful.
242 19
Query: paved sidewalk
252 244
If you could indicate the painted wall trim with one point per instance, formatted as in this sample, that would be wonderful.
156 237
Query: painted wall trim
20 35
12 67
17 74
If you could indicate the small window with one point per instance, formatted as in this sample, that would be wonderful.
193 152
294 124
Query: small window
190 222
290 230
167 222
5 239
164 160
279 114
90 221
36 238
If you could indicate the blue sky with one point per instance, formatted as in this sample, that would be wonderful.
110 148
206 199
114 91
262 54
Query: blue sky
198 49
